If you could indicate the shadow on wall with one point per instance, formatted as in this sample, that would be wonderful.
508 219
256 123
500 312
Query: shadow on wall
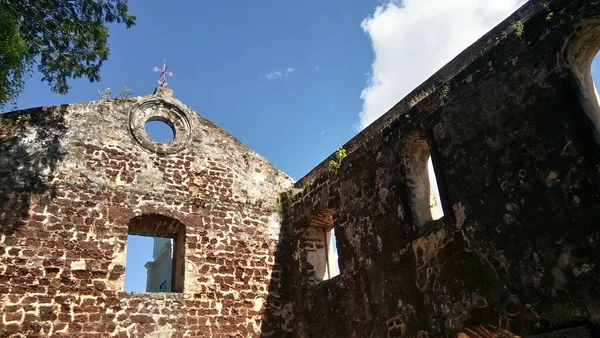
581 53
278 312
30 144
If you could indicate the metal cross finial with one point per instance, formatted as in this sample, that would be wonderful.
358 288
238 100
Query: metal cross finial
163 74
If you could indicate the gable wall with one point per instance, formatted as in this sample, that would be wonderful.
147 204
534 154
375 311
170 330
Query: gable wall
73 178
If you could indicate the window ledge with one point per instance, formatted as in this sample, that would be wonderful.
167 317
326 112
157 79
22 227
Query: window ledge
326 283
176 296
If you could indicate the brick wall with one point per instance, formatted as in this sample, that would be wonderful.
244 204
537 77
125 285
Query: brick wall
76 180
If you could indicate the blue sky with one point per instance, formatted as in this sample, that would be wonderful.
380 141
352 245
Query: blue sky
292 79
226 57
221 53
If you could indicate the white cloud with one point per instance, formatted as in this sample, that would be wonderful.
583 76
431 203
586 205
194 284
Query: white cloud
276 74
324 131
412 39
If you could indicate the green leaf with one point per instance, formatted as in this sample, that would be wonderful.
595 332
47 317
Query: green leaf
66 39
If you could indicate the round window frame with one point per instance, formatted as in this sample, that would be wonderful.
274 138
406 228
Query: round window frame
166 122
165 111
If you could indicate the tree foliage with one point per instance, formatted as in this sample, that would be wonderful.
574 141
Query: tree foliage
67 39
15 59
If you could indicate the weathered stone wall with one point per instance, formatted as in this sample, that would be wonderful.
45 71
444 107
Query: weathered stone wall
75 179
511 125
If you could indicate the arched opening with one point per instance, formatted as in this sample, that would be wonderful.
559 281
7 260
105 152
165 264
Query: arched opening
426 204
164 237
582 60
595 73
321 247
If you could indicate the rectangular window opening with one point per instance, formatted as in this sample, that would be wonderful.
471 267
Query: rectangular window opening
155 254
321 247
435 202
426 203
149 264
333 268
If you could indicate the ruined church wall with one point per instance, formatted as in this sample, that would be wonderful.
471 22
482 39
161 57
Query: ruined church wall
74 183
517 166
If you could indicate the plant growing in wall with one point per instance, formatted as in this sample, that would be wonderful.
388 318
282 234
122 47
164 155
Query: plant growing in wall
444 93
283 205
519 28
550 13
336 163
198 197
125 93
422 95
105 94
246 157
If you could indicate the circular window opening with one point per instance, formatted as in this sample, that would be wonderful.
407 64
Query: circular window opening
160 131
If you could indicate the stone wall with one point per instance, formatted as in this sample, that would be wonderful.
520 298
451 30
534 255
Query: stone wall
75 180
511 127
507 243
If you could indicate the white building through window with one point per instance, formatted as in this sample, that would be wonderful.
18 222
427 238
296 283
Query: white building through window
165 238
159 270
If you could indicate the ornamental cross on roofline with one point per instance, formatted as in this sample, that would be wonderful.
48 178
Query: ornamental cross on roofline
163 74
